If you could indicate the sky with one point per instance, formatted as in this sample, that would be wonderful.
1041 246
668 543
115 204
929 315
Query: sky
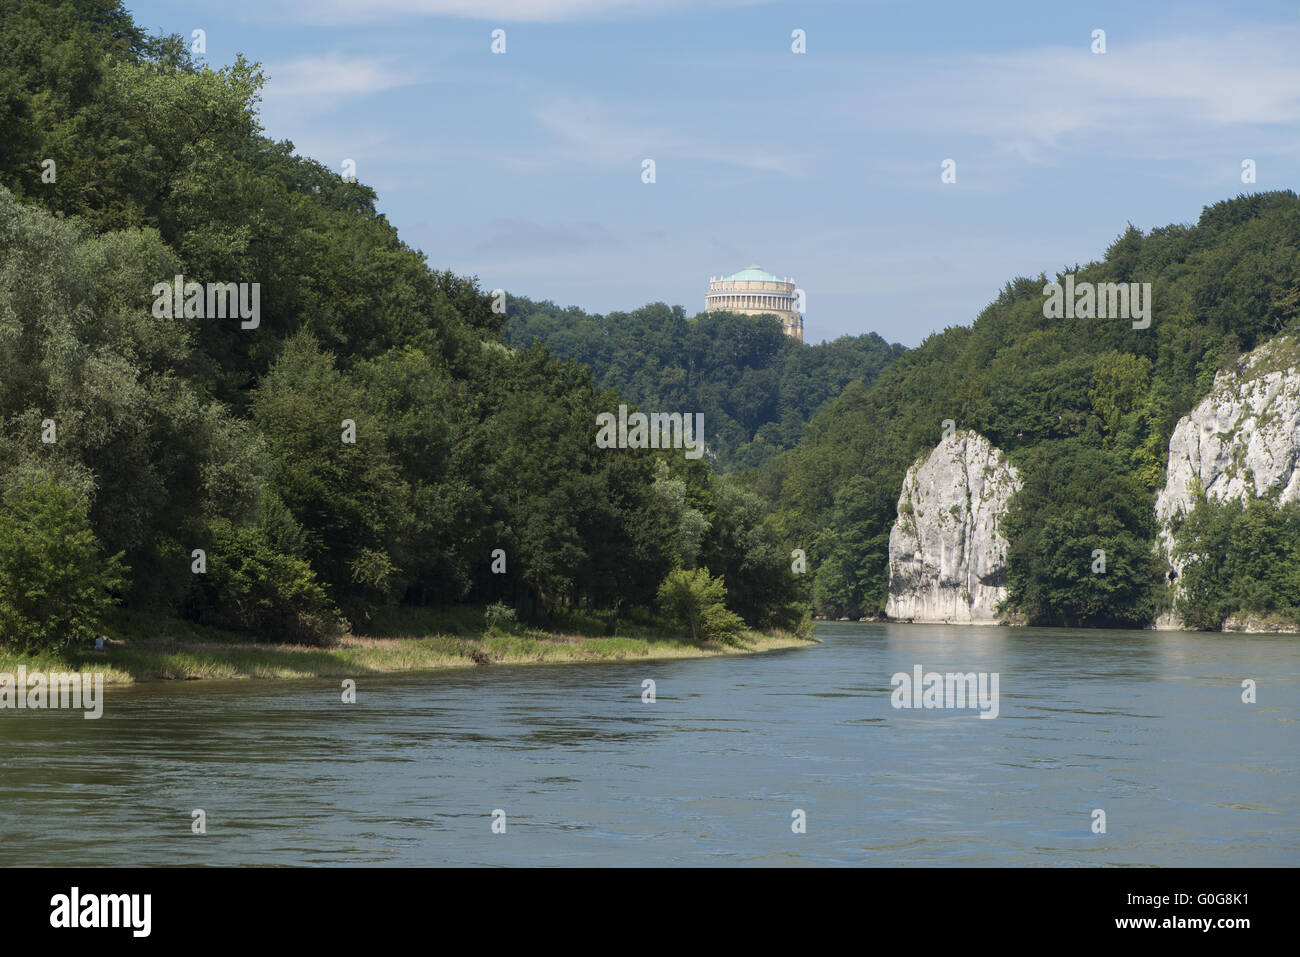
525 168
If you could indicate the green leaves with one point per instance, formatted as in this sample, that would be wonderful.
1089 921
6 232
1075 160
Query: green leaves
1078 504
756 387
349 497
374 440
55 585
252 584
1239 559
1050 388
696 603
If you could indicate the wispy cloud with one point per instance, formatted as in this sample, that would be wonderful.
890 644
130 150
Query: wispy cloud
1043 99
334 75
591 132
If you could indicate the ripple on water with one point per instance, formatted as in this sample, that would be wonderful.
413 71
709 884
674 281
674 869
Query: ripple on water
1136 723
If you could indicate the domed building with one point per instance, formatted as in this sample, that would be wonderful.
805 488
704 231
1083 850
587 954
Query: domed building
756 292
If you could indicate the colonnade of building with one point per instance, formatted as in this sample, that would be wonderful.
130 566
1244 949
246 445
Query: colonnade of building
729 301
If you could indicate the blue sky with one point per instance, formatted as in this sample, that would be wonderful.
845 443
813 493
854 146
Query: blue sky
525 168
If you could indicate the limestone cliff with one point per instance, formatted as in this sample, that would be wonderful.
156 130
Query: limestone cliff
947 556
1242 440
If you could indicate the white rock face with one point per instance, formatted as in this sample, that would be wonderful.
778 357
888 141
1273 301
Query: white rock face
1242 440
947 555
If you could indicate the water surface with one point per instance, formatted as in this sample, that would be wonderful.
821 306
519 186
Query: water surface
1147 726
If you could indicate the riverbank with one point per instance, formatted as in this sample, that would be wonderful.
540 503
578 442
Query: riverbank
179 651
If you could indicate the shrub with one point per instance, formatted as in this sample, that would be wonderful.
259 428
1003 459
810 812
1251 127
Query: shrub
495 614
55 586
1240 559
252 585
696 602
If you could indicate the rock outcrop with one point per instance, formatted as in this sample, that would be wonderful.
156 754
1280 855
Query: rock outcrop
947 555
1241 441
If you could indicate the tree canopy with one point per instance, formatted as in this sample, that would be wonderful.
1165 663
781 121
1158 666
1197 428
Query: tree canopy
1084 407
373 440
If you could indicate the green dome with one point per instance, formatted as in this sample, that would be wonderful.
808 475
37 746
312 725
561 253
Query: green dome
753 273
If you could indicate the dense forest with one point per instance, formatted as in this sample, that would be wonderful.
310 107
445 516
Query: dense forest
382 436
369 439
756 386
1085 408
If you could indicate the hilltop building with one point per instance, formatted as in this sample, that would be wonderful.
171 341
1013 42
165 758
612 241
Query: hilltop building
756 292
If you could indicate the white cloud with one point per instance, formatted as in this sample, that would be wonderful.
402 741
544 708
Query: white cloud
594 133
1042 99
334 75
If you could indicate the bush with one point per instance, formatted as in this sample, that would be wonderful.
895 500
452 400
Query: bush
696 602
1240 559
252 585
55 586
496 614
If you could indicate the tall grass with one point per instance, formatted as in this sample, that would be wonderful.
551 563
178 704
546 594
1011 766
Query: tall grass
145 648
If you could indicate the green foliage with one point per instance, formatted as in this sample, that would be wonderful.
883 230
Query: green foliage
1078 501
696 602
178 434
745 548
1239 559
756 386
348 496
1047 386
253 585
182 434
55 585
82 362
497 614
1119 384
852 580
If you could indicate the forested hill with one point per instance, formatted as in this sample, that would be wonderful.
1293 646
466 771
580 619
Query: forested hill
756 386
1085 408
361 438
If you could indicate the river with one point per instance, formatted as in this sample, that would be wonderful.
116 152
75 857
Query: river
1148 727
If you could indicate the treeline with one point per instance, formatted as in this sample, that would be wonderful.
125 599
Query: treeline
756 386
1084 407
373 440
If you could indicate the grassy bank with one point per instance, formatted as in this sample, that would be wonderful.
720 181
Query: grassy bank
416 640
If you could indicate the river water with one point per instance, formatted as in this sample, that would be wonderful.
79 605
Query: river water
1148 727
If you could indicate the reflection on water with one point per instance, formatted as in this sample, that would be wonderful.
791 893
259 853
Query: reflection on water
1148 726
